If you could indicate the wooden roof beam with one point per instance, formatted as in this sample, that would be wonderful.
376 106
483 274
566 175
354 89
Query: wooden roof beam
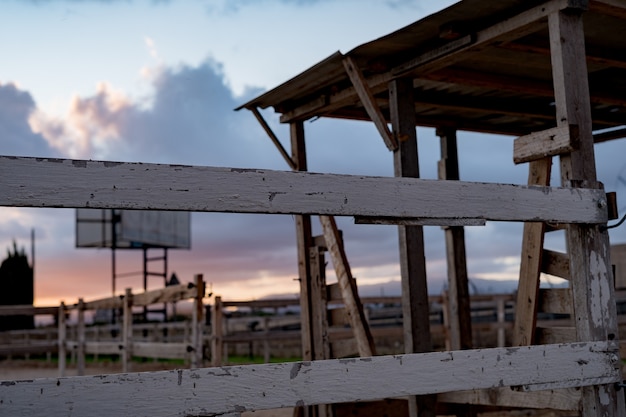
506 31
610 7
594 56
501 82
273 137
369 103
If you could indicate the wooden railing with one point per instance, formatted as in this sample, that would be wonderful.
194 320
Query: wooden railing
80 340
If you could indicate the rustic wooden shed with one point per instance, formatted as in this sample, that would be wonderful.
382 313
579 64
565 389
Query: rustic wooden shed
552 74
549 73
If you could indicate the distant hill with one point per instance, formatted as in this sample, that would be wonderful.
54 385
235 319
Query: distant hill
436 287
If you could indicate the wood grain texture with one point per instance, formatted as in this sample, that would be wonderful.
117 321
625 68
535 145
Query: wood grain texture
588 245
214 391
530 263
549 142
347 285
93 184
369 102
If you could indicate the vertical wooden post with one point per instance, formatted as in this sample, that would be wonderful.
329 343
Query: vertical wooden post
304 242
415 306
445 313
458 287
217 332
62 339
319 323
80 363
530 264
588 245
349 293
501 309
196 322
266 342
127 331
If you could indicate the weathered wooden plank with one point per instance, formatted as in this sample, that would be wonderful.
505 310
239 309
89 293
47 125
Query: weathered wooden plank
530 264
556 334
419 222
369 103
29 348
318 293
555 263
460 319
94 184
105 303
212 391
104 348
562 399
347 285
27 310
165 295
273 137
161 350
588 245
546 143
556 300
415 308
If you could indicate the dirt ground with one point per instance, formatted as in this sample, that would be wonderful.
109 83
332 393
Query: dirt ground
21 370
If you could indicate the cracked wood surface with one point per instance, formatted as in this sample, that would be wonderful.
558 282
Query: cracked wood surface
94 184
223 390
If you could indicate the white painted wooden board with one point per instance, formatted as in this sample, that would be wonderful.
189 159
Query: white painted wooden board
84 184
221 390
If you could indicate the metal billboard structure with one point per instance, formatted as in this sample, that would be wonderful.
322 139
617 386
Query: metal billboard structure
134 229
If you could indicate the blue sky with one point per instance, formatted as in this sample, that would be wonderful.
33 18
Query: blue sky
157 81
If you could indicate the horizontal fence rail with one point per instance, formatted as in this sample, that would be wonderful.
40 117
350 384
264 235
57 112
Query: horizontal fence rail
93 184
232 390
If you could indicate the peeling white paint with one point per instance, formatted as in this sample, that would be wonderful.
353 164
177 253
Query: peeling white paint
599 297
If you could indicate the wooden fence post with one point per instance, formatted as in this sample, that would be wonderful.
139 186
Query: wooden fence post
80 362
266 342
196 323
127 331
216 330
501 308
62 339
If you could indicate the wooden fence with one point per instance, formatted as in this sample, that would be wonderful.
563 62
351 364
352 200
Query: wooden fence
384 315
80 340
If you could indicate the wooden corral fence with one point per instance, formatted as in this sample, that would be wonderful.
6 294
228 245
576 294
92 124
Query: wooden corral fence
512 67
80 340
383 314
214 391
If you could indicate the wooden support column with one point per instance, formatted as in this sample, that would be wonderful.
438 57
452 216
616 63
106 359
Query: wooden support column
304 242
460 320
349 293
415 306
319 322
311 347
530 263
588 245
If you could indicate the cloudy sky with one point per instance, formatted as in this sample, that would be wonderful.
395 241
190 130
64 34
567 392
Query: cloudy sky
157 81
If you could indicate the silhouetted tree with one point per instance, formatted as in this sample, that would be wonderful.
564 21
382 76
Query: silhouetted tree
16 288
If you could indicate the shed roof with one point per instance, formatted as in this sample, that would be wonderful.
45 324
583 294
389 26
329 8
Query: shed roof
476 65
